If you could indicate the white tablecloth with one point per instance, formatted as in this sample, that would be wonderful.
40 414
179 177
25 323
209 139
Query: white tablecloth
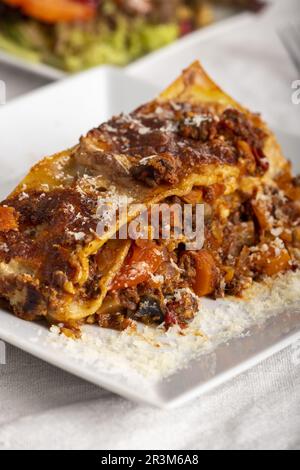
43 407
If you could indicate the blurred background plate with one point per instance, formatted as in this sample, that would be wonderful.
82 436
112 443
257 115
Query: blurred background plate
224 18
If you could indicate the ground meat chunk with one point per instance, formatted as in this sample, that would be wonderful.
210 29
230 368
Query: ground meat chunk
242 274
236 237
202 128
158 170
296 181
118 321
129 298
187 266
182 309
235 123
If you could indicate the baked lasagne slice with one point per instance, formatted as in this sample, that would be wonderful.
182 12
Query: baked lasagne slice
192 145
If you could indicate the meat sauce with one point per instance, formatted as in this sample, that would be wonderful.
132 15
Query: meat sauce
236 252
165 143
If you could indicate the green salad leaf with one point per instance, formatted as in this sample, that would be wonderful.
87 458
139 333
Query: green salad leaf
75 47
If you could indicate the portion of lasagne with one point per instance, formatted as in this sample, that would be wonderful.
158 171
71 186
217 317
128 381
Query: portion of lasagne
192 145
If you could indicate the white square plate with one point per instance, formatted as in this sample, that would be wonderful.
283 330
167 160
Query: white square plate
52 119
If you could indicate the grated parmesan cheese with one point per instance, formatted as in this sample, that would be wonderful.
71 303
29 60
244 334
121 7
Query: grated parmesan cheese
22 196
153 353
79 236
4 247
197 120
158 278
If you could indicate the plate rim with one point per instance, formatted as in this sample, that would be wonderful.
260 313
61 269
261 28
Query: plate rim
37 68
128 392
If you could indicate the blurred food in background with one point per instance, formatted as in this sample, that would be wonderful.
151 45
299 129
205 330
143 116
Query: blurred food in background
73 35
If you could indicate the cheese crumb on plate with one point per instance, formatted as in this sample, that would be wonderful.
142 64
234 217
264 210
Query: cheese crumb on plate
153 353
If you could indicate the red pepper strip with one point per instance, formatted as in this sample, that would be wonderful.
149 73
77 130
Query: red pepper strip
141 263
55 11
206 274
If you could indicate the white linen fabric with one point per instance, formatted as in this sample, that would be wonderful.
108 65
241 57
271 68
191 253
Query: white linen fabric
42 407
